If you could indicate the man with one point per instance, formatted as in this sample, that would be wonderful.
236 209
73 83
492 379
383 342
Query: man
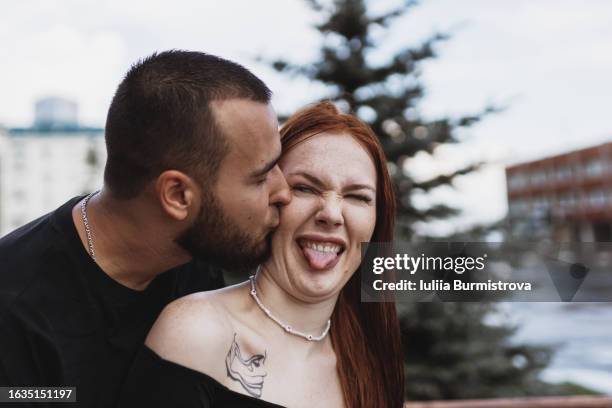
192 145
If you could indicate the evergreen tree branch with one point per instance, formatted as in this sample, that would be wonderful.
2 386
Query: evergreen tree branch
385 19
446 179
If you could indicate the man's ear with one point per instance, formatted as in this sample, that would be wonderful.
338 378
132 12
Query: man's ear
177 194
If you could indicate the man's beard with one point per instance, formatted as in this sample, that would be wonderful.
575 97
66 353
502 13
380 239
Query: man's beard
217 239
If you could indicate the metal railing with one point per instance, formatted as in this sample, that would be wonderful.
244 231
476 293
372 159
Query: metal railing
545 402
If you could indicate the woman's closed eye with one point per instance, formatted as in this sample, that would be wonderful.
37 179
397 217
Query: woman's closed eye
304 189
360 197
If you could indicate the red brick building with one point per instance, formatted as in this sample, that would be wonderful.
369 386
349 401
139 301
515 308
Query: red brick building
567 197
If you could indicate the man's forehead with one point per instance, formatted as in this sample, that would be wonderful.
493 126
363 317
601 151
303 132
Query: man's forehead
241 118
228 111
251 129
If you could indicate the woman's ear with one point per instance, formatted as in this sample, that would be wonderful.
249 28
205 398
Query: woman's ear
177 194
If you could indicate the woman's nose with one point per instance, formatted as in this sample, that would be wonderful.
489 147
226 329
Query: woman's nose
330 212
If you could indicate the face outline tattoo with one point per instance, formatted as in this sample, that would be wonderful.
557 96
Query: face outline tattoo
249 372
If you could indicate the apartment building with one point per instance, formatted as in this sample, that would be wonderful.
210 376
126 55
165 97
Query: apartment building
567 197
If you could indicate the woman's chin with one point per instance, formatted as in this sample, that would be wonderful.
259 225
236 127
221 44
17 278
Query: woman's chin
322 286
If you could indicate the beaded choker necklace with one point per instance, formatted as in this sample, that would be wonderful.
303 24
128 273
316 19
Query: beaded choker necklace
286 327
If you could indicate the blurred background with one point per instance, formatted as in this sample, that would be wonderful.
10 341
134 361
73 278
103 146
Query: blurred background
494 116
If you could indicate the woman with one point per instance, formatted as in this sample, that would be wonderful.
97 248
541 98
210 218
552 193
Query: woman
296 334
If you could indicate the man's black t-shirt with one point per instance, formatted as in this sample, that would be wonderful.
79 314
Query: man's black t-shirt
65 322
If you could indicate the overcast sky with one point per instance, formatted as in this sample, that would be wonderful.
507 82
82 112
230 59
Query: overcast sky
548 60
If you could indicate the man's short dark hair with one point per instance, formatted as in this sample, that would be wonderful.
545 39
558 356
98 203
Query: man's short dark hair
160 118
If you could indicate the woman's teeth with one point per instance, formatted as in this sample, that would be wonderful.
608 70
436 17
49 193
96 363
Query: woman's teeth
325 247
321 255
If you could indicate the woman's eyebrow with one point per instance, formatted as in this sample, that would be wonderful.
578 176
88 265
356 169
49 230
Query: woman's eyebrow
314 180
358 186
320 184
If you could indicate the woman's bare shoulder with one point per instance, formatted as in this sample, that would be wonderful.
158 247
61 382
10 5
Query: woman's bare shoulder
196 331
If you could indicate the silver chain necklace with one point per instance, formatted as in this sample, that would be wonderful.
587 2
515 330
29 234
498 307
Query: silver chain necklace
286 327
90 244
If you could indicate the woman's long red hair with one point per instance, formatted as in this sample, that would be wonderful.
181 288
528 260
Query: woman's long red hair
365 336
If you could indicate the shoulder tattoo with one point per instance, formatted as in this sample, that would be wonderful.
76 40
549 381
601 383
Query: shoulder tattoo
248 371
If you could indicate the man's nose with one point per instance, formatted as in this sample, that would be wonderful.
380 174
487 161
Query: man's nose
280 192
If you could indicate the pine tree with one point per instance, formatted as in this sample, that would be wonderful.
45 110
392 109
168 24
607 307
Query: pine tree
450 351
385 96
